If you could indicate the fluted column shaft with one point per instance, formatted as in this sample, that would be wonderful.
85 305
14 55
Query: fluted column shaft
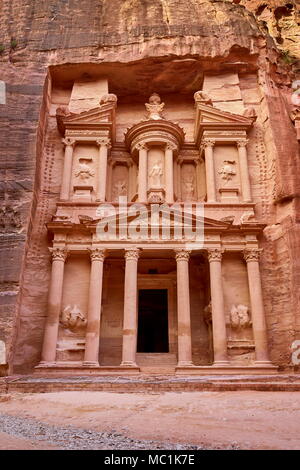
104 145
257 306
169 175
91 355
59 256
130 308
217 306
183 309
67 169
244 171
143 173
210 170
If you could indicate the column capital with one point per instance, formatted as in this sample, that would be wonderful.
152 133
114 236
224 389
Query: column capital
252 254
141 146
208 143
59 254
214 254
97 254
104 142
68 141
132 253
182 254
171 146
242 143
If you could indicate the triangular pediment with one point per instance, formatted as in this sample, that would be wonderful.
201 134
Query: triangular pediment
100 118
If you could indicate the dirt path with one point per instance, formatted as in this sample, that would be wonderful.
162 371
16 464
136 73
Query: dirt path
247 420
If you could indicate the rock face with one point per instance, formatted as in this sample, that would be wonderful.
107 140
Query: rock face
171 46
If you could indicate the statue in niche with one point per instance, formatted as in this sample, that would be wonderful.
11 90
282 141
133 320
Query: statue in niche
240 317
73 319
84 171
189 187
228 170
155 175
119 189
155 107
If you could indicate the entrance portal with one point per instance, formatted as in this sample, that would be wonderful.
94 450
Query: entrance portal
153 328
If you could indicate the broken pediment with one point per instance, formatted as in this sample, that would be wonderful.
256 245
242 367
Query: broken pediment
97 119
209 118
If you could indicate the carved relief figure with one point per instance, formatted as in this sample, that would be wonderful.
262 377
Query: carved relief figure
189 187
73 319
155 107
155 175
228 170
208 314
84 171
119 189
240 316
10 220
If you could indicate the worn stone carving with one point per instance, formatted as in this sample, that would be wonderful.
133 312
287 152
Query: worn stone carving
228 170
208 314
108 98
73 319
202 97
252 254
155 175
2 353
84 171
250 113
189 187
240 317
10 220
119 189
155 107
247 217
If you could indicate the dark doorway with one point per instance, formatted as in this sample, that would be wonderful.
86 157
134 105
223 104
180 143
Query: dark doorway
153 334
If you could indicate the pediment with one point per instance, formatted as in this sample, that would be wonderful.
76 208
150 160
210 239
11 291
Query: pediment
102 117
209 118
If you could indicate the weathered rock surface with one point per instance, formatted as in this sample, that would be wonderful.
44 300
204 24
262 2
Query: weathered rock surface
216 36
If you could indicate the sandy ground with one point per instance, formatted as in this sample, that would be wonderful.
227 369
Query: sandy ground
248 420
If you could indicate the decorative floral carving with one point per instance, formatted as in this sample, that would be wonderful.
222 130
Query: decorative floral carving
84 171
73 319
228 171
240 316
59 254
182 255
10 220
132 254
214 254
208 143
97 254
252 254
155 107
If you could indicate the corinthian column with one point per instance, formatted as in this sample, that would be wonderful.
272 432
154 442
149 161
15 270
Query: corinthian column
210 170
143 173
217 307
169 178
257 306
94 309
59 256
244 170
183 306
104 145
130 308
67 169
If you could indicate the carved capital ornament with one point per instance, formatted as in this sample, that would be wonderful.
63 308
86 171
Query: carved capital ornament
214 254
132 254
97 254
182 255
252 254
59 254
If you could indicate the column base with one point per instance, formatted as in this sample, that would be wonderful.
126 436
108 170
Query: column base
46 364
90 364
185 364
128 364
264 364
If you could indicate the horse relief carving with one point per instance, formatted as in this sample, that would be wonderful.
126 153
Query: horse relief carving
73 319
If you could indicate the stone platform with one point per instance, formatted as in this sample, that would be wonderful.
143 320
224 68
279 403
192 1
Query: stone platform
150 383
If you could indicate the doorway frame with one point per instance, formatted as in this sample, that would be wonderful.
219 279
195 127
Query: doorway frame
163 282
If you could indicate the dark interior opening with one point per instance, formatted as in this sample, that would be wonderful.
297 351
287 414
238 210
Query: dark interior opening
153 321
